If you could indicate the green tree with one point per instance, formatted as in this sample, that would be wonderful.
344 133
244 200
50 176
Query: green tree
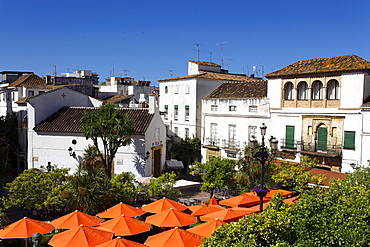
163 186
216 173
126 186
295 176
108 125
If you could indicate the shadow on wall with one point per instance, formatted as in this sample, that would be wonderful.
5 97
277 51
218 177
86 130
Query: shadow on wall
139 164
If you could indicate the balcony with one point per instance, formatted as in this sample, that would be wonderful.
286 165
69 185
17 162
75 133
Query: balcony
214 142
311 148
231 144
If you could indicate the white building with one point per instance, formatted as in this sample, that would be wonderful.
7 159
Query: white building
231 115
181 97
315 107
54 127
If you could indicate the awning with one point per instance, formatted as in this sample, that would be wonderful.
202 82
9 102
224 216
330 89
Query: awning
183 184
174 164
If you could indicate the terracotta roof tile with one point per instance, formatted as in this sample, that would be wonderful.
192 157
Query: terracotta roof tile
339 64
205 63
236 90
68 120
216 76
117 98
30 81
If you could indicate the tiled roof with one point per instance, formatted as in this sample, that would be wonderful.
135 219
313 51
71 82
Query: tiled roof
328 175
215 76
205 63
117 98
339 64
30 81
236 90
68 120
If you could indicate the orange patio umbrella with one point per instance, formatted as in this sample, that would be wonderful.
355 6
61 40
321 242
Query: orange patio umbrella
291 200
244 200
226 215
121 242
121 209
249 210
206 229
175 237
213 201
25 228
82 236
257 207
162 205
199 210
171 218
125 226
75 219
283 193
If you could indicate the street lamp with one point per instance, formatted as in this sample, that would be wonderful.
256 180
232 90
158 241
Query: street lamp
262 155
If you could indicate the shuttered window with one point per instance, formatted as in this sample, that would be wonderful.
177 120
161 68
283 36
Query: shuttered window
322 138
349 139
289 136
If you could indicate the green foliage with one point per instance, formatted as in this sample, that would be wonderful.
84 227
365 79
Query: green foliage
295 177
126 186
216 174
35 190
163 186
336 217
187 150
113 129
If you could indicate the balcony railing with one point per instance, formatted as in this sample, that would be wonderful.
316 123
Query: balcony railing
212 142
230 144
311 147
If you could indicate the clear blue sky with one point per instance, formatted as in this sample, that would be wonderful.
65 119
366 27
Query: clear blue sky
148 38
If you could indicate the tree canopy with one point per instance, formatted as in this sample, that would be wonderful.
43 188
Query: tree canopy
108 125
163 186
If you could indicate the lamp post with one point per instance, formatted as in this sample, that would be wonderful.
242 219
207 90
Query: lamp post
262 155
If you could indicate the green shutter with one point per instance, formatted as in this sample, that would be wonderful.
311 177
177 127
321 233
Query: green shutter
176 106
349 139
322 137
186 107
166 107
289 136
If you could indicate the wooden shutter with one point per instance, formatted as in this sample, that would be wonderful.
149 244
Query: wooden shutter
289 136
322 137
349 140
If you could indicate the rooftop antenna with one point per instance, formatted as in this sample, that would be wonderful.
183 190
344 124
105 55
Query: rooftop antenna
198 51
113 67
125 70
210 56
55 69
171 70
263 69
144 77
222 51
228 62
243 68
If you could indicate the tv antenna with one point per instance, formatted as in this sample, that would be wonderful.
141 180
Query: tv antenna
228 62
171 70
198 51
263 69
210 56
222 51
55 69
125 70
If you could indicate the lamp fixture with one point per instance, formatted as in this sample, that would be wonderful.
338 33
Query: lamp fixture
147 154
71 152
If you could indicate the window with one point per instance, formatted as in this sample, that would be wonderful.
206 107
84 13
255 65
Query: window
252 131
176 130
349 139
322 138
213 131
176 87
252 108
289 136
232 128
333 89
289 91
187 89
13 96
157 136
166 112
186 113
317 90
186 132
214 107
165 89
232 107
176 110
302 90
31 93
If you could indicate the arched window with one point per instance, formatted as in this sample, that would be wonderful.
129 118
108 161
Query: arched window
302 90
165 89
317 90
333 89
289 91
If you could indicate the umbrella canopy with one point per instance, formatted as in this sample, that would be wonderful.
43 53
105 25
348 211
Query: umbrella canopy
121 209
174 237
25 228
162 205
206 229
121 242
226 215
171 218
82 236
257 207
213 201
283 193
244 200
126 226
291 200
199 210
75 219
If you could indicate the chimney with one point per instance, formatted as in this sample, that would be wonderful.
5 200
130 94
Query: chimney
153 103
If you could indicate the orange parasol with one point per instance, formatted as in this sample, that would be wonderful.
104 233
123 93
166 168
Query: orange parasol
82 236
291 200
121 209
75 219
226 215
244 200
121 242
283 193
174 237
250 210
171 218
162 205
199 210
125 226
25 228
213 201
257 207
206 229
